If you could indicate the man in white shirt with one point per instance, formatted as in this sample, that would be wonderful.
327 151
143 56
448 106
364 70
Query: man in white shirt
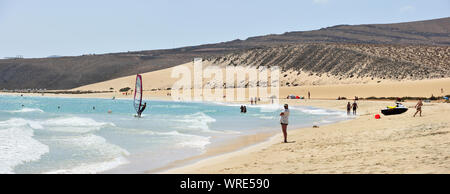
284 121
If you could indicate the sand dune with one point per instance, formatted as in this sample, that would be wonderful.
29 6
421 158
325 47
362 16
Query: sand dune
160 80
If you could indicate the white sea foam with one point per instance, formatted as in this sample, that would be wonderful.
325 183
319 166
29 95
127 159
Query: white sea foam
96 146
18 146
269 107
74 124
92 168
198 121
225 104
325 121
197 142
19 122
27 110
314 111
182 139
188 140
267 117
92 142
67 124
170 106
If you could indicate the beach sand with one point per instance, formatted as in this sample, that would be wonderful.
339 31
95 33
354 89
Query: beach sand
393 144
420 88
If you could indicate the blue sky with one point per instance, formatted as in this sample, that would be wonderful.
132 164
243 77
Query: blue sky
62 27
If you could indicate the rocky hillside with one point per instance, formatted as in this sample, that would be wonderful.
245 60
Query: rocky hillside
291 50
345 63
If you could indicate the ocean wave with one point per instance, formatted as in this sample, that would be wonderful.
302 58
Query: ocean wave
314 111
18 146
197 121
181 139
74 124
188 140
92 142
225 104
198 142
63 124
92 168
267 117
27 110
269 107
19 122
175 106
324 121
92 145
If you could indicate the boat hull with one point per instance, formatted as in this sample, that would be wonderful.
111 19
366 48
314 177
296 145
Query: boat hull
394 111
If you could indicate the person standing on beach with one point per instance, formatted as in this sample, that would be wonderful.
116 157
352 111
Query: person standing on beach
355 106
309 95
284 121
419 108
349 107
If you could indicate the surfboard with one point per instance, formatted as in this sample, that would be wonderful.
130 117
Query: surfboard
138 93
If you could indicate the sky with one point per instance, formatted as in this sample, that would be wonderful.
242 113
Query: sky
75 27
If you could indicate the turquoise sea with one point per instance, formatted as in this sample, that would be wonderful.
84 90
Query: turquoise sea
78 135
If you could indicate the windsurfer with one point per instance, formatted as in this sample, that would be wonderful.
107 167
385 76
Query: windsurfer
142 109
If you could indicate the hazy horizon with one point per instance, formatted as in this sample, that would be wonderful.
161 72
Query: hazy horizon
49 28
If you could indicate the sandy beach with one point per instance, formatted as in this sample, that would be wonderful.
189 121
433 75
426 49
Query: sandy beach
393 144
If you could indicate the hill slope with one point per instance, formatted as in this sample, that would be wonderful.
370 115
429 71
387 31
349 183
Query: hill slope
320 63
71 72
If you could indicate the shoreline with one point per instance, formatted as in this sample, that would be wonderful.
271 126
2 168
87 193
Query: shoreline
183 166
341 147
242 142
219 149
274 138
216 150
259 156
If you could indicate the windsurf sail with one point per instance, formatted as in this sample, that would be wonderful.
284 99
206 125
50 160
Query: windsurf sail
138 93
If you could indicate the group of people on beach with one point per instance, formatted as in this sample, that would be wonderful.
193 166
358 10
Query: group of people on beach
254 100
353 106
284 120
